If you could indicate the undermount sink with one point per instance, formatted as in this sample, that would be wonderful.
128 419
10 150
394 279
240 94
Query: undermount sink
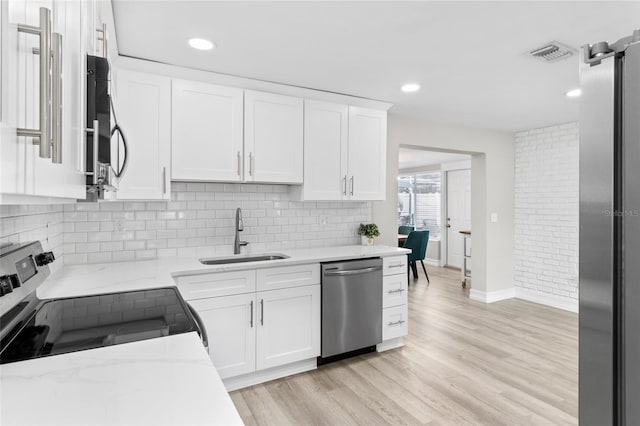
242 258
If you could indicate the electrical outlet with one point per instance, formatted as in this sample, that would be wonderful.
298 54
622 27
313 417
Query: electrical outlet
119 225
324 219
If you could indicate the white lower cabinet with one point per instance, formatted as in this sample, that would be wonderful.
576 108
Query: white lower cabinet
394 301
230 326
289 326
256 331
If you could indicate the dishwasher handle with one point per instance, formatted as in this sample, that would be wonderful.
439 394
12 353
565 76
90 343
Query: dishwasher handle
353 271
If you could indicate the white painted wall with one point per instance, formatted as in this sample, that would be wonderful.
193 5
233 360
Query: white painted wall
492 165
546 215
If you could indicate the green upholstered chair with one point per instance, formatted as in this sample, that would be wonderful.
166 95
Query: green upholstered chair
417 241
405 229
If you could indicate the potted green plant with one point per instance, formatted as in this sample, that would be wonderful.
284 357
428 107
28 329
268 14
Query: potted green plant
367 233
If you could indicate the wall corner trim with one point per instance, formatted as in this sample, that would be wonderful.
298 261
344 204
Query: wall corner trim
492 296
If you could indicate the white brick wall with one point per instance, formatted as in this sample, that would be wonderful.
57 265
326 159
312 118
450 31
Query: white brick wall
24 223
546 215
199 221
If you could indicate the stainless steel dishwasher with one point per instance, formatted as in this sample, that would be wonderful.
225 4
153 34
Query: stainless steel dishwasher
351 308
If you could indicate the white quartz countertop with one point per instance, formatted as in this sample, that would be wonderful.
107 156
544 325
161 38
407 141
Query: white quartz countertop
163 381
124 276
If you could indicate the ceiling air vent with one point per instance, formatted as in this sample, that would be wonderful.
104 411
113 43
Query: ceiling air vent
552 52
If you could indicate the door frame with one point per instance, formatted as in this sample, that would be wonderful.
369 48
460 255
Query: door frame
445 168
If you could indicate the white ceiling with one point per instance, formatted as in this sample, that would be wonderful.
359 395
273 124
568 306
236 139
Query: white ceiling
470 57
415 158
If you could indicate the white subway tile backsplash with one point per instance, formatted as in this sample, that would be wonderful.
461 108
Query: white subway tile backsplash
198 221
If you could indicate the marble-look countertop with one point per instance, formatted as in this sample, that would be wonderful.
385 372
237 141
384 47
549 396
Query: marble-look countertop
163 381
83 280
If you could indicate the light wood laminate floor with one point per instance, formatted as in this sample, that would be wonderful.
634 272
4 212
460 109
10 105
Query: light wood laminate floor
464 362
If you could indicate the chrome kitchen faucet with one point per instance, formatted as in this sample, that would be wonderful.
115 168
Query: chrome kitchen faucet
239 227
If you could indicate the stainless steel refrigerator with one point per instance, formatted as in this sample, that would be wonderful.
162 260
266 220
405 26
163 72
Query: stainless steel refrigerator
610 233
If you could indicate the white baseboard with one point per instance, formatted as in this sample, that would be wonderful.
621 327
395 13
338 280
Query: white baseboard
492 296
552 300
432 262
390 344
239 382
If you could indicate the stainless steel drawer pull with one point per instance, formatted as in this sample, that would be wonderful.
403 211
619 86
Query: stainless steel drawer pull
400 290
261 311
399 322
397 265
353 271
251 320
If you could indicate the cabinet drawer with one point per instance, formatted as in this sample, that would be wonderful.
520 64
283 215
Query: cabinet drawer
288 276
394 265
194 287
394 290
394 322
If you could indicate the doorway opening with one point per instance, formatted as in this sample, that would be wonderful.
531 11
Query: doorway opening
434 194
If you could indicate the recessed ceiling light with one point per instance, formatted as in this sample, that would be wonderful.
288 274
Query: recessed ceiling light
410 87
574 93
201 44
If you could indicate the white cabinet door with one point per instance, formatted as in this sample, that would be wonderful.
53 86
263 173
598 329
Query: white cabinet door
230 324
288 325
367 154
206 132
23 171
143 109
325 150
273 126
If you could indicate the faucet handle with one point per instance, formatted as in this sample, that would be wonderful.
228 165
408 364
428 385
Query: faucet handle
244 243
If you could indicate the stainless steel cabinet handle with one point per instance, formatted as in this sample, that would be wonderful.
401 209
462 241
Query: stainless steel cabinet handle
261 311
96 140
351 185
397 265
44 132
239 163
352 271
56 99
399 322
250 164
164 180
344 185
400 290
251 308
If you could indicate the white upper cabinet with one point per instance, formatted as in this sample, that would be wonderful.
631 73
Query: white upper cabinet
24 172
325 150
206 132
143 110
367 154
345 152
273 144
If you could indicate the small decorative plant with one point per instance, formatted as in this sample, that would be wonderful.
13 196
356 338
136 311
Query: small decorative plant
368 232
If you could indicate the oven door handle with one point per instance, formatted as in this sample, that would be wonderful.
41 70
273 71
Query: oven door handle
201 330
353 271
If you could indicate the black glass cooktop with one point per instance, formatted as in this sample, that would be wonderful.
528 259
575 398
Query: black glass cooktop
57 326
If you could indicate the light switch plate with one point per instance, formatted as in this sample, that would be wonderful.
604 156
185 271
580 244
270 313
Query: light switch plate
494 217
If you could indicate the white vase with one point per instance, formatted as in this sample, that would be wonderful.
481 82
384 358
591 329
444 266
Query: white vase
366 241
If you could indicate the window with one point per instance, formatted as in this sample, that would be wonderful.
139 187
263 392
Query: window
419 201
